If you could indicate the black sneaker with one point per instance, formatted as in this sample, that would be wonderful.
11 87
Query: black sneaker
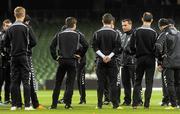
106 102
19 108
61 101
140 103
164 104
146 107
82 102
134 107
52 108
68 107
126 104
117 107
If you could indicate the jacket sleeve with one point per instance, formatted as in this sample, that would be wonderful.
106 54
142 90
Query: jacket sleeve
117 44
53 48
6 40
159 45
95 44
84 44
32 38
133 43
1 43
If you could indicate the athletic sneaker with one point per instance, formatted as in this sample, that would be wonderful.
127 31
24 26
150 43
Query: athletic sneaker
52 108
19 108
164 104
40 107
68 107
118 108
13 108
126 104
106 102
29 108
178 107
61 101
82 102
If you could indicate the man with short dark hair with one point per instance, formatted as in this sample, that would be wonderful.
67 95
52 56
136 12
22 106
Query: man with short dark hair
107 44
142 44
5 63
67 44
128 61
165 99
80 77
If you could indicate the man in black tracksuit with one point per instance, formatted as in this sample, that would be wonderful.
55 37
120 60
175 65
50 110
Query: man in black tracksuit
33 94
34 98
69 52
107 44
128 61
165 99
80 76
106 82
167 49
143 43
19 39
5 63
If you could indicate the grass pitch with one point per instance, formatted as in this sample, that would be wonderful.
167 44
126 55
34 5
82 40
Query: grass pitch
45 98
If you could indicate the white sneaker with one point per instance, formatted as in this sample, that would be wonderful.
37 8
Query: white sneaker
118 108
178 106
29 108
19 108
13 108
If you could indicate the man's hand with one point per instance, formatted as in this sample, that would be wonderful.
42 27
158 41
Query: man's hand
159 68
2 54
106 59
78 57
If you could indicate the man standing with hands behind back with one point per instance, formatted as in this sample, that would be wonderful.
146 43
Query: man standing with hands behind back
107 44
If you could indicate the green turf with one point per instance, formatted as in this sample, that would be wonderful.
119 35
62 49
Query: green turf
89 108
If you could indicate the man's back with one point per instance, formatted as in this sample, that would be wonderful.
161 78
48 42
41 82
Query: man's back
144 39
172 49
106 39
18 39
68 43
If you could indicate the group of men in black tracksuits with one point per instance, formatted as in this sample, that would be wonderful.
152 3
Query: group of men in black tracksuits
113 50
17 41
129 56
136 50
